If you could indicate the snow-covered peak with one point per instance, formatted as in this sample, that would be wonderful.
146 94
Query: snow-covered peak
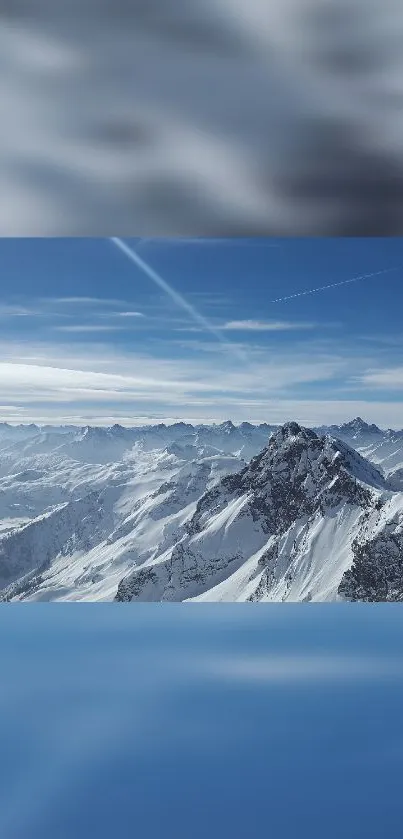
359 467
118 429
357 422
291 431
359 426
297 474
17 432
285 526
298 451
227 427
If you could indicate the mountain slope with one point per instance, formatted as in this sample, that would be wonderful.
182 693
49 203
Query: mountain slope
218 512
283 528
81 549
384 448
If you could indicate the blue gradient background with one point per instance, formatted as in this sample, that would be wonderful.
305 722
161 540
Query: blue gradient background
220 721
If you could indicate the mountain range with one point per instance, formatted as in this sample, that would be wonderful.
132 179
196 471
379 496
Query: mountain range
201 513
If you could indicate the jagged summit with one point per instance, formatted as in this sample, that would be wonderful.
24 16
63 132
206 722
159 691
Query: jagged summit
92 432
359 426
357 422
285 526
303 449
304 470
297 475
291 430
227 427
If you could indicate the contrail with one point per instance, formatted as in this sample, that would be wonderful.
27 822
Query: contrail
332 285
175 296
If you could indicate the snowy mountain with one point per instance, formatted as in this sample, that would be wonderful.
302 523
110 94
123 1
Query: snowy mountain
104 519
385 448
219 512
289 526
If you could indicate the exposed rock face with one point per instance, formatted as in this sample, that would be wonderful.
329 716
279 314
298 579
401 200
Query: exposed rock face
296 474
377 571
302 495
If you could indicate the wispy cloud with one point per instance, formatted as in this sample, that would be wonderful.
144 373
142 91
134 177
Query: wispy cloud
85 301
129 314
88 328
98 379
390 378
8 310
98 371
266 326
67 307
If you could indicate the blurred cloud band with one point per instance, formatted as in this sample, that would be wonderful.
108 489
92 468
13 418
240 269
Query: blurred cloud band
175 117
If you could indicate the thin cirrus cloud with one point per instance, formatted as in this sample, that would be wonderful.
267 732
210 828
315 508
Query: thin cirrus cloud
70 304
43 372
389 378
101 301
111 379
265 326
129 314
8 310
84 328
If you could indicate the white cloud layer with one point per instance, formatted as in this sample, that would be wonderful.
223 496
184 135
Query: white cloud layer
266 326
98 383
83 327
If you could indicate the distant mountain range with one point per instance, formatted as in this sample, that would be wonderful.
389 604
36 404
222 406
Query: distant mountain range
202 513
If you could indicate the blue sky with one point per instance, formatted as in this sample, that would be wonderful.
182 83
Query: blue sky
88 336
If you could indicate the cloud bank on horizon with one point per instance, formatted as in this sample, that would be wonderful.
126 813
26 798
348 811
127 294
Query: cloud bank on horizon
258 330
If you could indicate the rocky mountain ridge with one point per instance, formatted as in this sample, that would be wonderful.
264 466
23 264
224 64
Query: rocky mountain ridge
219 512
